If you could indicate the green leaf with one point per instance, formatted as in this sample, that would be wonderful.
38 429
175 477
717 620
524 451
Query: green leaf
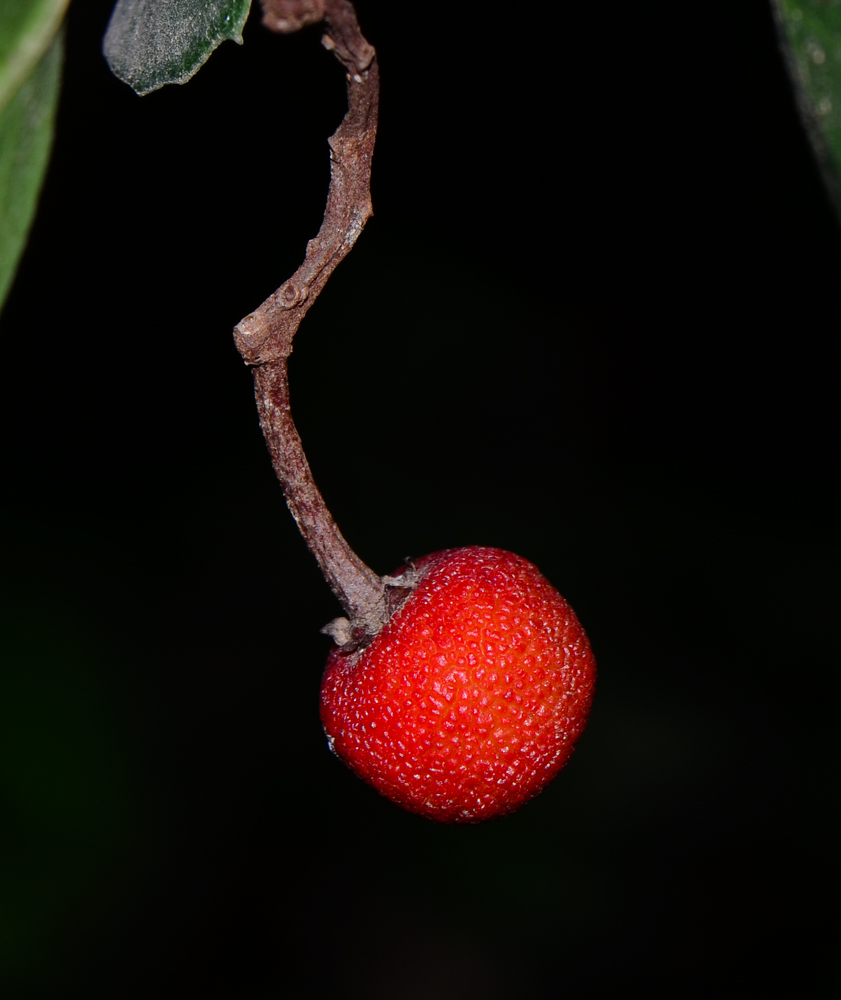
26 29
150 43
810 31
26 136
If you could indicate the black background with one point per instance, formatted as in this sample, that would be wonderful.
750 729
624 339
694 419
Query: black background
591 322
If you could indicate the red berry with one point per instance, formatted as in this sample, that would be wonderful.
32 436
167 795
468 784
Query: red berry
471 698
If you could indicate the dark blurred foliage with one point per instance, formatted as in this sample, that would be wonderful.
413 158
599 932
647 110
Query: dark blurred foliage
591 322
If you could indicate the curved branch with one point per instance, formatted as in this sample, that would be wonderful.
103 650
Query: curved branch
264 337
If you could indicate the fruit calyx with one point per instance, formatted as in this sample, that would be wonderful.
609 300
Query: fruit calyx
354 633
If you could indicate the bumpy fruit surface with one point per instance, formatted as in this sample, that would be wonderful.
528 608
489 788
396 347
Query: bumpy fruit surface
472 697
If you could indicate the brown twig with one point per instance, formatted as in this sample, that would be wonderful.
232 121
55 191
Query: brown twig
264 337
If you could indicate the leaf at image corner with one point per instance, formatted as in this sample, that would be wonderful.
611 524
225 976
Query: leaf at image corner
26 29
150 43
26 136
810 35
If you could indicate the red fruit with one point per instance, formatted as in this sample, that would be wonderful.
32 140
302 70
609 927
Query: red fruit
471 698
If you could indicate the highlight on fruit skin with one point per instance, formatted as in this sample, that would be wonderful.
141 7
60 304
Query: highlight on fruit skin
472 697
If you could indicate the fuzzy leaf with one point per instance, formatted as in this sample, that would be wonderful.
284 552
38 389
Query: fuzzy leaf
26 135
810 32
150 43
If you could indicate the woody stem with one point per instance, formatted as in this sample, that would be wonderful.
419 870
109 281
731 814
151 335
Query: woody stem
264 337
